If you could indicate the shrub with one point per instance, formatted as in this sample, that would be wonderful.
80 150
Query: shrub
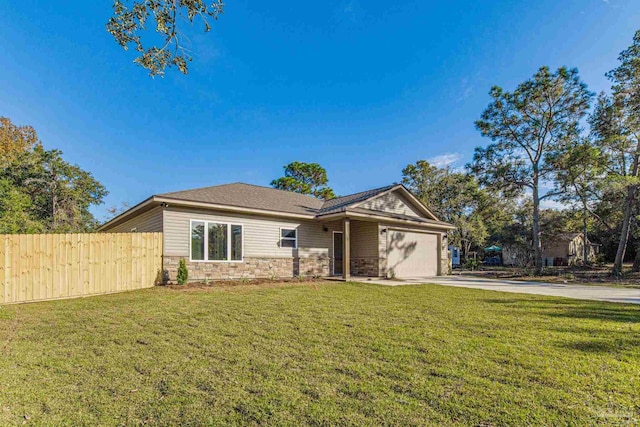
472 264
183 273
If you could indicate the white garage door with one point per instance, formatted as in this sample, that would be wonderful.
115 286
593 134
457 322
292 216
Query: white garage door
412 254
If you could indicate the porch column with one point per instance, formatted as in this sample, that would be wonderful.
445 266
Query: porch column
346 249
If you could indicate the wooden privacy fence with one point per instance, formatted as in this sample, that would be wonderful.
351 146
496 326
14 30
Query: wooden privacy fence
37 267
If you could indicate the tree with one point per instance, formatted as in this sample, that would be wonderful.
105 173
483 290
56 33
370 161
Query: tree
15 140
305 178
619 146
63 192
15 207
116 210
616 124
453 197
131 17
526 127
579 167
39 191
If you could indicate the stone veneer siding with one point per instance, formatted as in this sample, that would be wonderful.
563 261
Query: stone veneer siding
446 267
250 268
368 267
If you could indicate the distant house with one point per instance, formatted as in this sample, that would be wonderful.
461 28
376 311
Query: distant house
246 231
517 254
567 249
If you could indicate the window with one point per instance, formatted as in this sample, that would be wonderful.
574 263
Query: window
288 238
236 243
215 241
197 241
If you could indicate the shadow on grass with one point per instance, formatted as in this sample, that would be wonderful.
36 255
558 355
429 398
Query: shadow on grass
567 308
602 346
605 338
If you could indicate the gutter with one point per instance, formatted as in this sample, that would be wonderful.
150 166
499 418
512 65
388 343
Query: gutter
356 215
168 201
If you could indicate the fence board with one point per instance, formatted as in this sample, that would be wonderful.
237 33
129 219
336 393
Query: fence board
3 269
37 267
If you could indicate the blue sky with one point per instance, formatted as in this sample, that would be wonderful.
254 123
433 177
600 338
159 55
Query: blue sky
361 87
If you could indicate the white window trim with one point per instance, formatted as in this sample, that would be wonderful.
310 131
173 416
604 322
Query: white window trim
206 240
288 238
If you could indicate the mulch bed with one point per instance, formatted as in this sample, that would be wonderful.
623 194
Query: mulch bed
193 286
582 275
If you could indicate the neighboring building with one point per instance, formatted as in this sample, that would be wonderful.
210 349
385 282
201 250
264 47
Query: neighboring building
246 231
455 256
517 255
567 249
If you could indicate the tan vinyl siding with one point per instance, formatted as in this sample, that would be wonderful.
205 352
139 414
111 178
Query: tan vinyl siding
332 226
147 222
394 203
364 239
261 234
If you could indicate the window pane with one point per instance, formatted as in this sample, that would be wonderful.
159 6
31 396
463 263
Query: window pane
288 243
197 241
288 233
236 243
217 242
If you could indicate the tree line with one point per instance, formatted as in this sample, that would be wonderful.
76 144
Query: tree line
551 139
547 143
40 192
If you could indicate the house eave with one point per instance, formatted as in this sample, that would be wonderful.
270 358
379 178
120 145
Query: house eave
230 208
140 207
388 220
158 201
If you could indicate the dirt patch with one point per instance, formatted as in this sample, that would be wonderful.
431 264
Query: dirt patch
596 275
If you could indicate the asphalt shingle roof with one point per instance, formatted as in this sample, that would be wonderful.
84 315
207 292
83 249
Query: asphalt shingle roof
271 199
251 196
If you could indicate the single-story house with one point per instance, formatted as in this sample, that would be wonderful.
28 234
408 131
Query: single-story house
247 231
567 249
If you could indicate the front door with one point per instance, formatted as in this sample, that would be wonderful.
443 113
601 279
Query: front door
337 253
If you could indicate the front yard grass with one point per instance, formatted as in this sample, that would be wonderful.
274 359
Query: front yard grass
320 354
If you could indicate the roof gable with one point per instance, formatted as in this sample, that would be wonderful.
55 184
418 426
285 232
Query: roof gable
339 204
391 202
398 201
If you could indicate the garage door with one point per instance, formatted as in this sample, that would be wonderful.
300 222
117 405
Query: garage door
412 254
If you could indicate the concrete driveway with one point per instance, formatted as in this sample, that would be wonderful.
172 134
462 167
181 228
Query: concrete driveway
596 293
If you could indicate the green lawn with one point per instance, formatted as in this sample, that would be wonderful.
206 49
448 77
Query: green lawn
339 354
